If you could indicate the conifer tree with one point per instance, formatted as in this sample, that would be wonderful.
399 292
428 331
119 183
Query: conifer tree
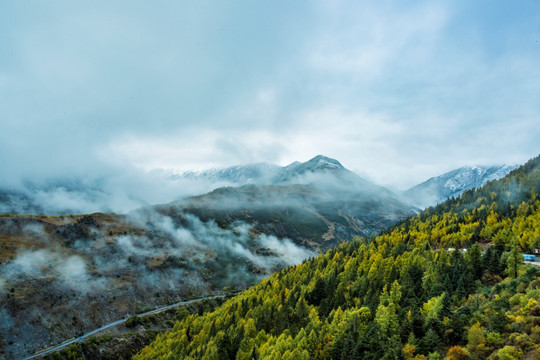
514 260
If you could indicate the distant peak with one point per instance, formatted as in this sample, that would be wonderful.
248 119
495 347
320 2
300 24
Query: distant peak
321 160
454 183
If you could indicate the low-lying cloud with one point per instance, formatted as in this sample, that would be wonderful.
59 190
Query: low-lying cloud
31 263
160 248
73 268
197 237
114 192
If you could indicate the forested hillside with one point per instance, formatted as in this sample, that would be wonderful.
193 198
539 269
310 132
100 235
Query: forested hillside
401 295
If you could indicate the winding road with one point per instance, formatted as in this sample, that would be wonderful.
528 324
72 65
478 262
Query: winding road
117 322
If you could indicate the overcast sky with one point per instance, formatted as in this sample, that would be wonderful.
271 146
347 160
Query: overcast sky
397 93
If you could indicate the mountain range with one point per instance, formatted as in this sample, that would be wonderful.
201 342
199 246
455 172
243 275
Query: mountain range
263 173
61 272
317 204
79 196
428 193
230 237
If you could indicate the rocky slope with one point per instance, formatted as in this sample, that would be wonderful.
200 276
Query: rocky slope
63 276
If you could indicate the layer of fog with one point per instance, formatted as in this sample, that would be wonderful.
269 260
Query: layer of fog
88 265
310 188
118 193
197 237
70 270
342 185
123 191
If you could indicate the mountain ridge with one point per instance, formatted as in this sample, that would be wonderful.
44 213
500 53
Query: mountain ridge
322 199
263 173
453 183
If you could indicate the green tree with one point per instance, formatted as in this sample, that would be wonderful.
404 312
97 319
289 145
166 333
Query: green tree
474 260
477 341
514 260
509 353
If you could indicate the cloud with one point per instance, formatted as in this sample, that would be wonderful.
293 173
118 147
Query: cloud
365 42
197 150
398 93
159 254
204 241
234 242
31 262
73 268
38 263
289 252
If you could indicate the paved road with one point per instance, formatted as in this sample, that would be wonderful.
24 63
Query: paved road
534 263
155 311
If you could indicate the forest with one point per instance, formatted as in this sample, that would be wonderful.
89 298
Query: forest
449 283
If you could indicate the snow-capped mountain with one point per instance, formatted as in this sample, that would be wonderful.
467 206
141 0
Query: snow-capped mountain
265 174
454 183
234 175
318 203
318 164
79 196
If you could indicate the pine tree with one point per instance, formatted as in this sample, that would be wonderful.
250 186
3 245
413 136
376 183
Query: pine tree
474 260
515 259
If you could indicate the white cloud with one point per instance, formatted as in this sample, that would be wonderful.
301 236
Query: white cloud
398 92
370 40
73 268
31 262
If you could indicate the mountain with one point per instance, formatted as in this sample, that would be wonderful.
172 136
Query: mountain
401 295
317 204
126 192
319 164
234 175
68 274
263 173
454 183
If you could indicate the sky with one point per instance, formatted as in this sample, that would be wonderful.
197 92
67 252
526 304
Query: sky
396 91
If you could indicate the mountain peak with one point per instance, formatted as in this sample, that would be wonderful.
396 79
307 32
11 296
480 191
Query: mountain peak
266 174
319 164
321 161
453 183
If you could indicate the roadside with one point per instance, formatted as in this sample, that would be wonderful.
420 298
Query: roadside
133 322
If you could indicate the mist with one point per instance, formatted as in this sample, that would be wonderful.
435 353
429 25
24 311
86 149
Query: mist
155 247
196 237
111 110
122 192
102 267
115 192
